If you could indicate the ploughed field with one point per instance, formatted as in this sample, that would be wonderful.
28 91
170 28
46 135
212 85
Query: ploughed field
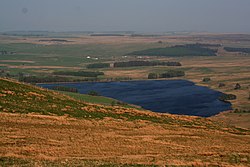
165 96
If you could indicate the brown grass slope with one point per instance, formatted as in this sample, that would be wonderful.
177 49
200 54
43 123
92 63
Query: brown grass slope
39 127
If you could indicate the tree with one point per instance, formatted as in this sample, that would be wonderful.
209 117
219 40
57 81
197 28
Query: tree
221 85
206 79
113 103
7 75
172 74
237 86
227 97
20 76
93 93
152 76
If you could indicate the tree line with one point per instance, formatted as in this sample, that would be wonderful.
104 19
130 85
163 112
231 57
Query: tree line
167 74
44 79
145 63
98 65
226 97
199 45
79 73
56 79
243 50
4 52
65 89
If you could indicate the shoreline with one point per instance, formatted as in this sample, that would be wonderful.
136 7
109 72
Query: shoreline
43 83
168 79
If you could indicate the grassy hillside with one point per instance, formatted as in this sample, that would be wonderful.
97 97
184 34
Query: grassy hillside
89 98
16 97
44 128
98 100
22 98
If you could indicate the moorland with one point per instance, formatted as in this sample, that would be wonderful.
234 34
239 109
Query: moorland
71 57
44 127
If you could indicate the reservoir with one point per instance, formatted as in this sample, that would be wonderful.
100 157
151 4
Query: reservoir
165 96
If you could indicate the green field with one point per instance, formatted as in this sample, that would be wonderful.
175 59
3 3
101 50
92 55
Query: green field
89 98
72 54
29 56
97 99
177 51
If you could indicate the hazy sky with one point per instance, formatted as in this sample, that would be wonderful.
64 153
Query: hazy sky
126 15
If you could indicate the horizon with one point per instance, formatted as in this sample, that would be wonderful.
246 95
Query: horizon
146 16
121 32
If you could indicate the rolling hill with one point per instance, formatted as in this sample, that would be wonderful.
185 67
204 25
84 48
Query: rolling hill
40 127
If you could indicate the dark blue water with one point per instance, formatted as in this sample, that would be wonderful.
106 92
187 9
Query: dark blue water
172 96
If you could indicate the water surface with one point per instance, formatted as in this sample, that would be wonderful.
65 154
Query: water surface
172 96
